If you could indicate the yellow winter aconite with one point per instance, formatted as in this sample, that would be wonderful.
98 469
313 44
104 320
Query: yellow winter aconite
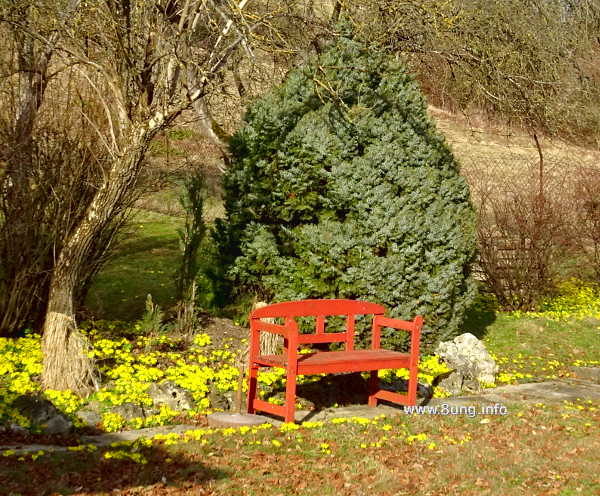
289 427
576 300
112 422
124 455
201 340
422 437
429 368
66 401
130 367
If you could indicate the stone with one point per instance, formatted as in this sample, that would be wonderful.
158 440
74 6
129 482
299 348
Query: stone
587 373
222 419
129 411
170 394
90 414
221 400
43 414
470 362
58 424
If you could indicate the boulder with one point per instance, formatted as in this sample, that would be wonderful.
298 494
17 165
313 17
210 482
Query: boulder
221 400
129 411
90 414
43 414
470 362
170 394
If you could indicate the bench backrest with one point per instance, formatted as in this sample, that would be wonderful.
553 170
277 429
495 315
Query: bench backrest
321 309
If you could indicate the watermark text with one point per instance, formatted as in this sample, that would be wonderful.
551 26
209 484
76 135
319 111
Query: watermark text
468 410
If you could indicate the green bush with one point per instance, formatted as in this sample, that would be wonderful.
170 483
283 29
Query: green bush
340 186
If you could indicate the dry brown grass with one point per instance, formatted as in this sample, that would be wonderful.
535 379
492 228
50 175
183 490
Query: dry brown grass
537 450
536 225
477 141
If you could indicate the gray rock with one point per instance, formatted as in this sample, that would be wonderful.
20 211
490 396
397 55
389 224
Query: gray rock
172 395
587 373
43 414
470 362
90 414
221 400
129 411
58 424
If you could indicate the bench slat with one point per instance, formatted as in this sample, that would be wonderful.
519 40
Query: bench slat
314 308
265 406
327 337
341 361
321 324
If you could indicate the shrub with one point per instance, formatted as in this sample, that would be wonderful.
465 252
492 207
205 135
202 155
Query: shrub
521 237
586 224
528 241
191 235
340 186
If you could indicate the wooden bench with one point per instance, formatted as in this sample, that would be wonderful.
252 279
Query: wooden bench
318 362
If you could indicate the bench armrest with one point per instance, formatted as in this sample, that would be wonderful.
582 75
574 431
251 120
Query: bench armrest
414 327
282 330
289 331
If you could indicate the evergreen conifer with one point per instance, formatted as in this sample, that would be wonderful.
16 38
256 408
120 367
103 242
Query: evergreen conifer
341 187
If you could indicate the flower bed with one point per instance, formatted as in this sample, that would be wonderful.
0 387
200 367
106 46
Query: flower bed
129 366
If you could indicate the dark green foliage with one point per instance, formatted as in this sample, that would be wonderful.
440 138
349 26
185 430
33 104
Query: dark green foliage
192 234
341 186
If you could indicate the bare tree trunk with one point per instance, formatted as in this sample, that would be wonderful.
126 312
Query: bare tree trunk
270 344
66 361
66 364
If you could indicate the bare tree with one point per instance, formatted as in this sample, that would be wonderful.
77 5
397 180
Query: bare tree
30 214
527 62
124 70
142 64
148 63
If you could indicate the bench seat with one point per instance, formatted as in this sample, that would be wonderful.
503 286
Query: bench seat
340 361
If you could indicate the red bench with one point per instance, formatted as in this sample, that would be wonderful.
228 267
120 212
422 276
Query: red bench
318 362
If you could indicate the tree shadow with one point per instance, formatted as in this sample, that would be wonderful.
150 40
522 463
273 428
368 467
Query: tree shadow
480 315
76 472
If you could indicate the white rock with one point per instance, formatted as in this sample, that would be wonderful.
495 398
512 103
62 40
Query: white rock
471 363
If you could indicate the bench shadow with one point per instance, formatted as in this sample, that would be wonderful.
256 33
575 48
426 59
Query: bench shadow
343 390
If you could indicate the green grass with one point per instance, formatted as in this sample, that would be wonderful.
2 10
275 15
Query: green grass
565 340
535 348
145 262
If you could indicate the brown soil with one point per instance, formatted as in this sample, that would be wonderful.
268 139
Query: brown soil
225 332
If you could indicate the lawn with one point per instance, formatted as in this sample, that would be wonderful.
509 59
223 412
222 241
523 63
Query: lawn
144 262
535 449
532 450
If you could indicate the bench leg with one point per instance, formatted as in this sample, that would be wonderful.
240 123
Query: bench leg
413 382
373 387
290 397
252 384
